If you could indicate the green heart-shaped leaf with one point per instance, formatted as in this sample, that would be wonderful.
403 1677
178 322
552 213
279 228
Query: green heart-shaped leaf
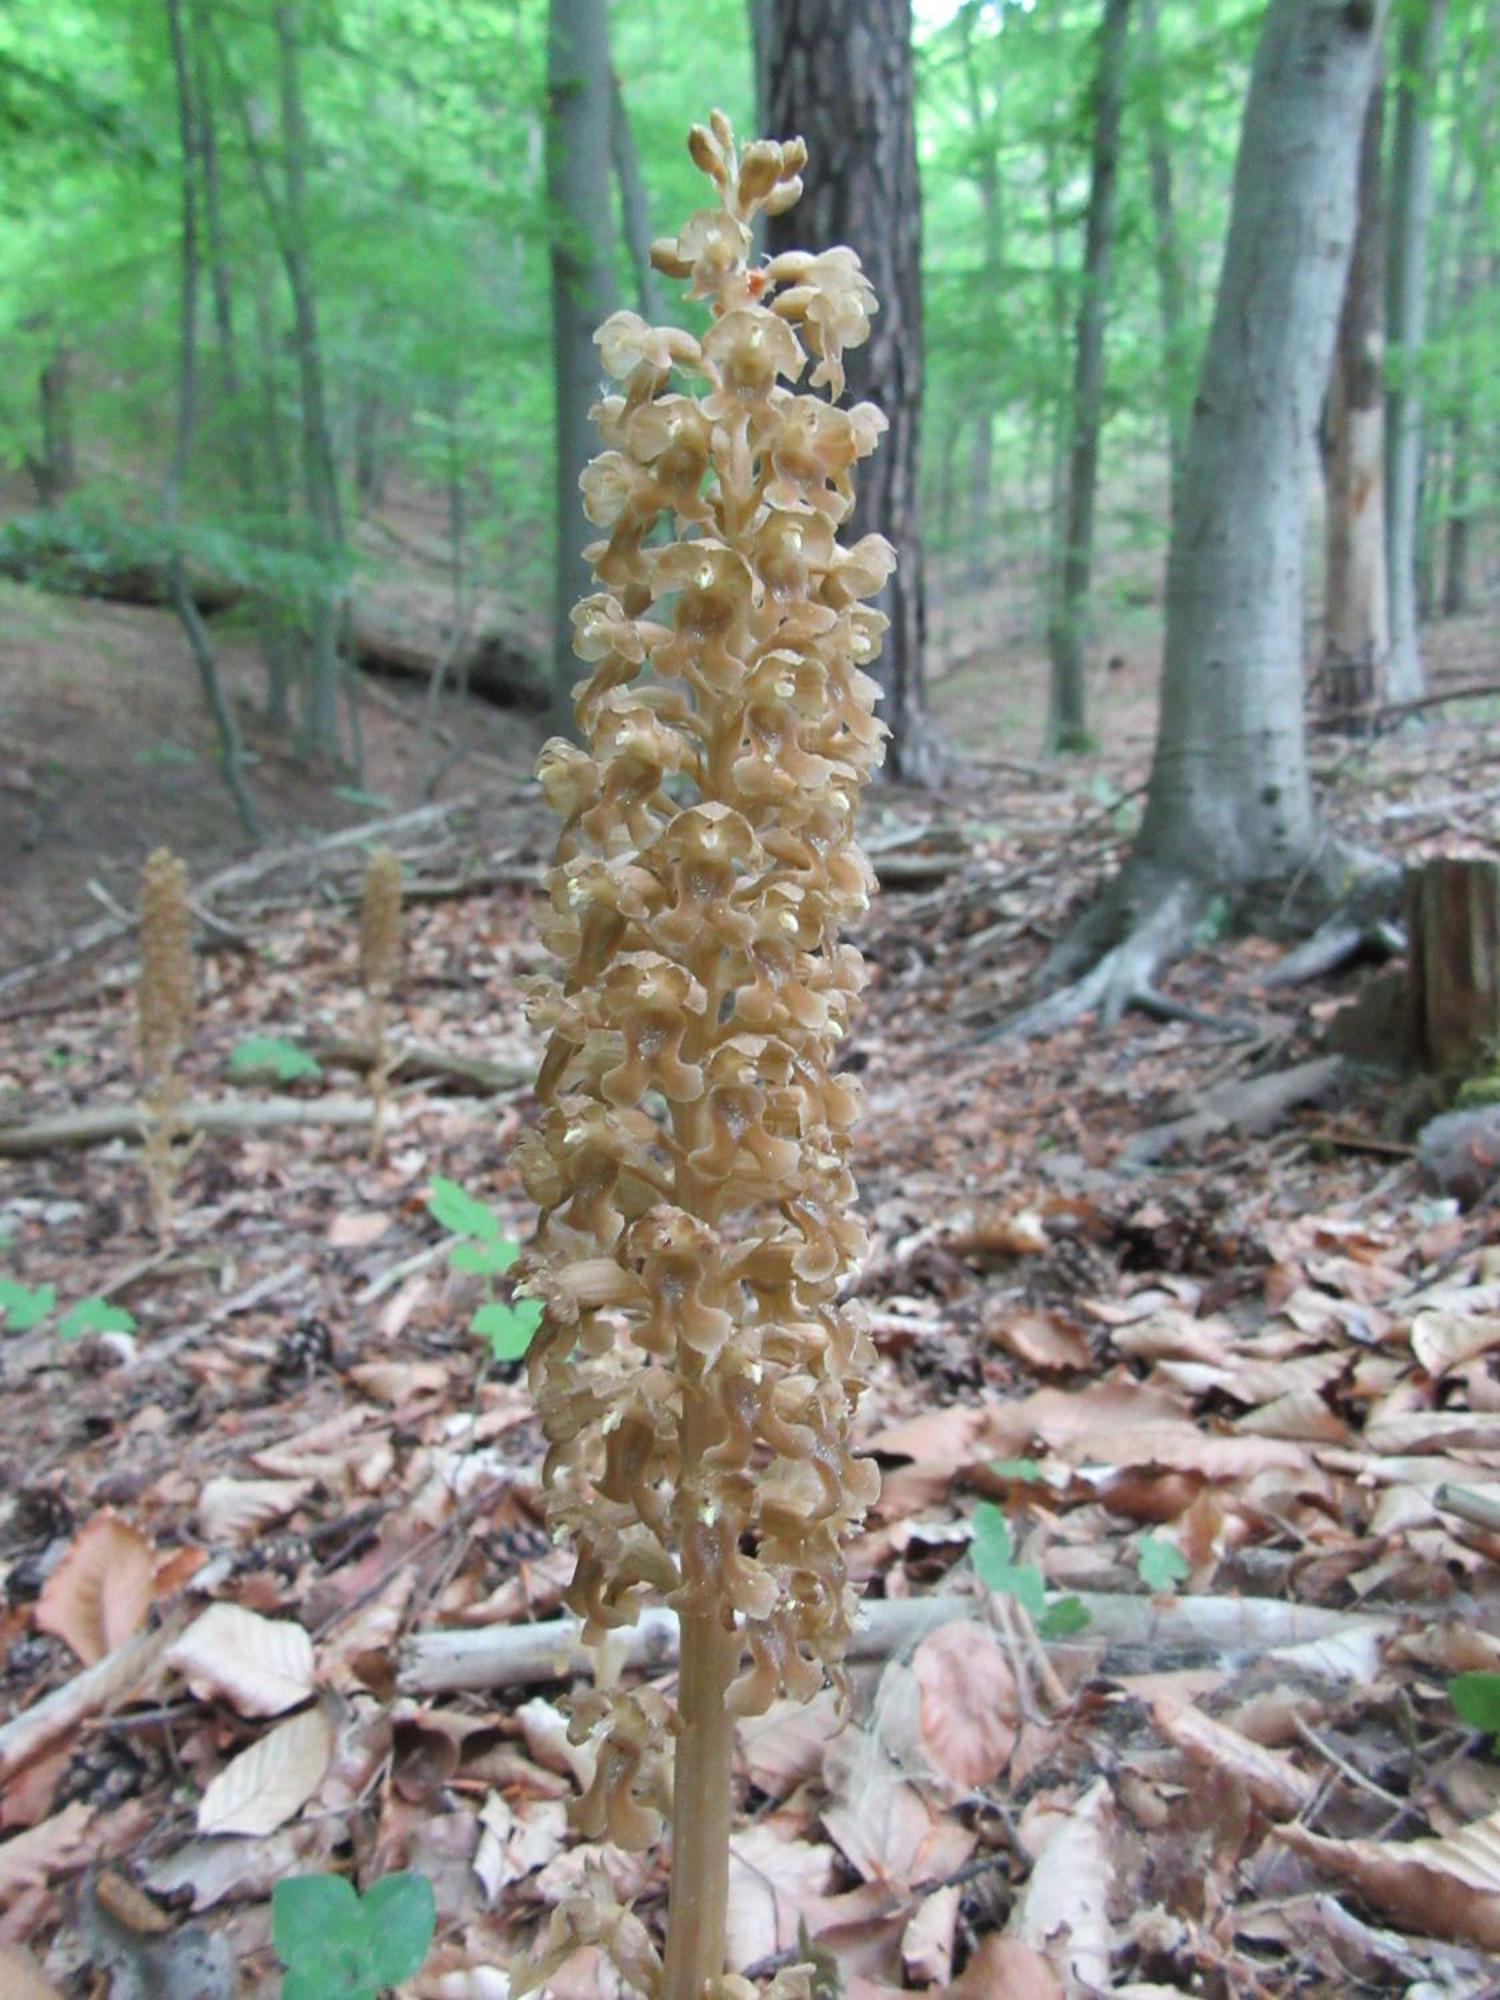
95 1316
509 1330
458 1211
487 1259
25 1306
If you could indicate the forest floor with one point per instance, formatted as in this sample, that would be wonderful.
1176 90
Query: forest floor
1223 1396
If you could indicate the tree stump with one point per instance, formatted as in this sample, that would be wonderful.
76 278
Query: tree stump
1453 964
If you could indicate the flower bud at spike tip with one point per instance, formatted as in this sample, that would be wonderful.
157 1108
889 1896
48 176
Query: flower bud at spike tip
695 1373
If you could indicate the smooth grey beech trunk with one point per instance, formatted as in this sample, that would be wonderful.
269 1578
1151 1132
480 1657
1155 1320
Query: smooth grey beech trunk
1230 806
580 123
1230 802
1410 216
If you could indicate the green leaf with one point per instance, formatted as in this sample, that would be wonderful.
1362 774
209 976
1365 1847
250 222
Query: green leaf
1161 1564
509 1330
309 1913
1025 1469
996 1567
25 1306
95 1316
488 1259
459 1212
1068 1614
1476 1700
259 1054
400 1914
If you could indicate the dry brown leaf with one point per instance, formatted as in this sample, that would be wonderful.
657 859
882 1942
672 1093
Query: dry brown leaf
400 1381
1063 1910
1040 1339
1008 1966
21 1978
784 1747
265 1785
515 1841
357 1229
1272 1780
1440 1340
771 1882
927 1941
968 1704
32 1858
1447 1430
260 1666
1440 1888
100 1593
235 1510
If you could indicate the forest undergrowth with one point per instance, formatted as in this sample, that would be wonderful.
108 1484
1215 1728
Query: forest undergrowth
1221 1385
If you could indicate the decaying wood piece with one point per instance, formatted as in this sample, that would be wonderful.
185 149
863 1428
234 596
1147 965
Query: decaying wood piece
1134 1630
96 1124
1254 1105
1453 966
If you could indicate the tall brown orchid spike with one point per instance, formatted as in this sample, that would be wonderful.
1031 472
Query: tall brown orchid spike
695 1372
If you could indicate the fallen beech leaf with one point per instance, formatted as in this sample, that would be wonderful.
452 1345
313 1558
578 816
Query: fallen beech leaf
1041 1340
784 1747
100 1593
770 1880
399 1381
32 1858
927 1941
1008 1966
357 1229
516 1841
1272 1780
1063 1908
21 1978
235 1510
260 1666
968 1704
1440 1340
1441 1888
265 1785
1449 1430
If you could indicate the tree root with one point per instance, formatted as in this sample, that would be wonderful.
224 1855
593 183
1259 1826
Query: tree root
1123 949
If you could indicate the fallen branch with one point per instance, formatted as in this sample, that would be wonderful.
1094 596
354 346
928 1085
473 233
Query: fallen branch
97 1124
118 1677
1251 1108
1146 1630
410 1060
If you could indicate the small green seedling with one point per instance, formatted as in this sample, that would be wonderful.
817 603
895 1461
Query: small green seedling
339 1945
272 1055
487 1252
1161 1565
1027 1470
25 1306
95 1316
998 1570
1476 1700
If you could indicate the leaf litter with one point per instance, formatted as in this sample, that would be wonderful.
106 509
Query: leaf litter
1252 1378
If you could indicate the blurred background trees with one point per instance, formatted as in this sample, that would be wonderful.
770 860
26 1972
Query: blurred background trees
297 294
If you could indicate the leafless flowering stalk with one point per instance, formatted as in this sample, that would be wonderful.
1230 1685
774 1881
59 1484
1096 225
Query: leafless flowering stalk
695 1372
166 999
379 968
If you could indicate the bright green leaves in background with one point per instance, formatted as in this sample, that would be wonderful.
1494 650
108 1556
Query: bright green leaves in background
485 1251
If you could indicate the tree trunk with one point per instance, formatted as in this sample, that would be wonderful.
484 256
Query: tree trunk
635 209
1356 624
1453 964
1406 292
1067 719
1170 283
583 286
319 473
54 470
984 120
230 752
843 79
1230 802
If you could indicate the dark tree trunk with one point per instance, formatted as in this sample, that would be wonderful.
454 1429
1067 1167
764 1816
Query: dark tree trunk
842 78
635 209
1170 281
1357 621
1453 964
1067 720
